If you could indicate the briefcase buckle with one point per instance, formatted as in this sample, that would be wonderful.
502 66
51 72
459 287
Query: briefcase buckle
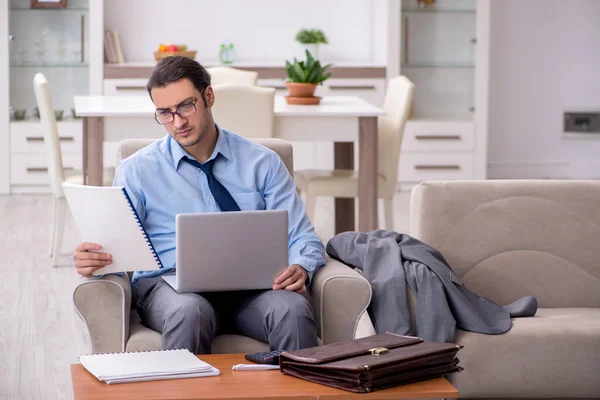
375 351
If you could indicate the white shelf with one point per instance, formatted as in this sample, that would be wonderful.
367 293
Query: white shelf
440 65
51 65
438 11
253 64
48 9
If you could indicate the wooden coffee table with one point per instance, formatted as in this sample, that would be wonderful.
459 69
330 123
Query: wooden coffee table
243 385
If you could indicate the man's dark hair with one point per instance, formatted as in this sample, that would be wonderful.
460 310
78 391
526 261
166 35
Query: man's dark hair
174 68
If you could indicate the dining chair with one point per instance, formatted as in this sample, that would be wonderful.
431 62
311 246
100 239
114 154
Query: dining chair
245 110
219 75
56 172
344 183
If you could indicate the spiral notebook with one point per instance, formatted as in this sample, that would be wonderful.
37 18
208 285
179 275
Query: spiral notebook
146 366
106 216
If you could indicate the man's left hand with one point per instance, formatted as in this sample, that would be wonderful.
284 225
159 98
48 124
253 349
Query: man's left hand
293 278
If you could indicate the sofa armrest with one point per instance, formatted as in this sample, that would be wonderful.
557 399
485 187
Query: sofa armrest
339 296
104 304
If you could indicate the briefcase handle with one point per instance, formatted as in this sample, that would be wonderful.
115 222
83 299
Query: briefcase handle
375 351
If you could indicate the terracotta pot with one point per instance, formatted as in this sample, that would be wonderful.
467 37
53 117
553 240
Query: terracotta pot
301 89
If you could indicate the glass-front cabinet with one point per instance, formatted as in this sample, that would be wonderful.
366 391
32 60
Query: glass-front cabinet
438 55
444 51
52 41
50 37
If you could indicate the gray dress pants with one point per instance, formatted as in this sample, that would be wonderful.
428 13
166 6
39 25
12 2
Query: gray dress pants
190 321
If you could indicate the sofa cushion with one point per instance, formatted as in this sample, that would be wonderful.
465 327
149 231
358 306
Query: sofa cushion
512 238
554 354
144 339
231 344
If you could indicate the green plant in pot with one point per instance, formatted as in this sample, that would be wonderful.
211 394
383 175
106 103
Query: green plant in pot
311 39
303 78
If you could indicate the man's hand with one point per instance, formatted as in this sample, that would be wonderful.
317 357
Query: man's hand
293 278
87 262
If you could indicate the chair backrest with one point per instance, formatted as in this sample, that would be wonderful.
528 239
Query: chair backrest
512 238
283 148
397 103
43 98
220 75
245 110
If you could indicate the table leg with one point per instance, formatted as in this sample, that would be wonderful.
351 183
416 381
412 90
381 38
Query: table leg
84 139
344 207
93 139
367 173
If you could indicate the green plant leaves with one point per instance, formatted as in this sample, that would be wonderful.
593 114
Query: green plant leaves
310 71
311 36
300 71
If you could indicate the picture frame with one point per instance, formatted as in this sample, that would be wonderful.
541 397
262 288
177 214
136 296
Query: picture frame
48 4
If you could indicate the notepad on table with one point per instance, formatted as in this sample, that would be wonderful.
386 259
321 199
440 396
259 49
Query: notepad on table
146 366
105 215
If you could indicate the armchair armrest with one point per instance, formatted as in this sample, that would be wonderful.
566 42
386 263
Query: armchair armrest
339 296
104 305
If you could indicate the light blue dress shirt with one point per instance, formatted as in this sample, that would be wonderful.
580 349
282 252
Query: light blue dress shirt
162 185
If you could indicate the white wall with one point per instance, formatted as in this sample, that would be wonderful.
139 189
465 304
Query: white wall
262 30
545 58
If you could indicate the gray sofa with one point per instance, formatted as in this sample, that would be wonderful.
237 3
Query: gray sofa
512 238
105 305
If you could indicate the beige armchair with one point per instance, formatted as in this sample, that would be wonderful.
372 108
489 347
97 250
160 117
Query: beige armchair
338 294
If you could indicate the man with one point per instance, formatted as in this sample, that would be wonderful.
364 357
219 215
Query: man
199 167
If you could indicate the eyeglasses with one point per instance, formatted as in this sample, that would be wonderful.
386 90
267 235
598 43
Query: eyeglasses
186 110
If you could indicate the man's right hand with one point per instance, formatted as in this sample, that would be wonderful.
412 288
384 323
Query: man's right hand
87 262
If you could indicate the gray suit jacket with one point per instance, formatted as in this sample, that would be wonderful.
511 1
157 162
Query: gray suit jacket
390 260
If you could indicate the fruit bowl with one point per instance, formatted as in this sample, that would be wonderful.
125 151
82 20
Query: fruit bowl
159 55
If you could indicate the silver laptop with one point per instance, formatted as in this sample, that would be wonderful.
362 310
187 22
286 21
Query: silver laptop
226 251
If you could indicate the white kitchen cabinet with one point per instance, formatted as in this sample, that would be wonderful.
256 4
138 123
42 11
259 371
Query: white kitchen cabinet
65 44
444 51
29 158
438 136
125 87
371 90
417 166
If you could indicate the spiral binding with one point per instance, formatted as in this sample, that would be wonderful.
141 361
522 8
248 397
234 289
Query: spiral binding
133 352
137 218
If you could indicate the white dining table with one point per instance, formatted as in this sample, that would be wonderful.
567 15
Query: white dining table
339 119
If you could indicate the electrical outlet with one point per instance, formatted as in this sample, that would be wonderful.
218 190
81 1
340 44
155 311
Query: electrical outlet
582 122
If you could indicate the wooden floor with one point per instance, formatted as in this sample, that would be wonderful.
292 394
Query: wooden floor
40 333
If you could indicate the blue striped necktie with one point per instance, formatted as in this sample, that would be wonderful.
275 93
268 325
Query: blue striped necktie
224 199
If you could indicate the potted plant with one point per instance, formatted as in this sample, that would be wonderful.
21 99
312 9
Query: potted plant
310 39
303 78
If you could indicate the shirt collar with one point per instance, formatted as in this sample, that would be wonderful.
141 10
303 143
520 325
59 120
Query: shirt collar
222 147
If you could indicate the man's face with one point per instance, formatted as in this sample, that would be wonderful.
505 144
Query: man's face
182 96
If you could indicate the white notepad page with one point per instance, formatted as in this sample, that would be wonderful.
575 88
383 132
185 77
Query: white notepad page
105 216
159 364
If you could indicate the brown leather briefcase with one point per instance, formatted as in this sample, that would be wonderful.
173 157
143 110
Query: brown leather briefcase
372 363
